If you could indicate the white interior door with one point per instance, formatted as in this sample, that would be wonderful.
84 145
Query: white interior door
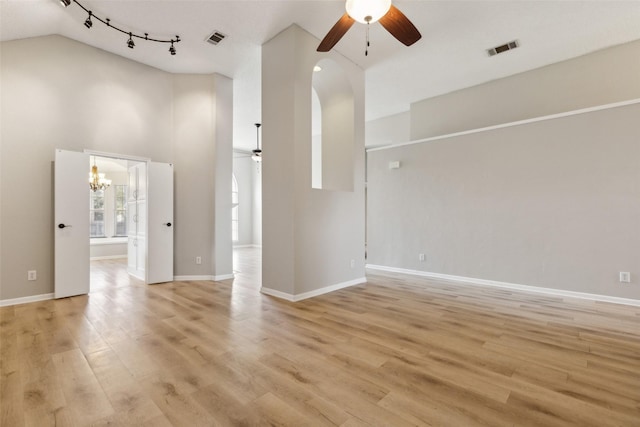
160 223
71 222
136 220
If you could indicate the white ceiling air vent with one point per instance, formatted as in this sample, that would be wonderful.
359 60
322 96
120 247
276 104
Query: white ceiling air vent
503 48
216 37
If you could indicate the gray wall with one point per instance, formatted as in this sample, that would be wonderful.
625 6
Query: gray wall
553 204
202 187
309 235
388 130
57 93
599 78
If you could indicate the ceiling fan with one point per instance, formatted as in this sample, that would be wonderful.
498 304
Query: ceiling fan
368 12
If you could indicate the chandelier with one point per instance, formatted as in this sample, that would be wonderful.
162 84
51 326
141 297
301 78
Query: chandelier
97 181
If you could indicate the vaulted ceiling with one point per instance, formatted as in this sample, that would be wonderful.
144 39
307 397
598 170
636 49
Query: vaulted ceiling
451 54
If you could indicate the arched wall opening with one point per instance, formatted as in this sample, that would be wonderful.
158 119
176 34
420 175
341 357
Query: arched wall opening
332 152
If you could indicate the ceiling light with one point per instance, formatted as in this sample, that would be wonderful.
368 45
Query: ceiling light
317 68
367 11
88 22
172 50
65 3
257 153
130 42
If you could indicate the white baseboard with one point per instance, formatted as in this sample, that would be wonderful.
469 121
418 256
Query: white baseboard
246 246
527 288
191 278
314 293
223 277
99 258
203 277
25 300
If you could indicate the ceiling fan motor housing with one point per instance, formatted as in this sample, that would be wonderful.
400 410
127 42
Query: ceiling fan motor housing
367 11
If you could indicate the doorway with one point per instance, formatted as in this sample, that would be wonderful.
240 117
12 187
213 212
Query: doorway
116 231
148 210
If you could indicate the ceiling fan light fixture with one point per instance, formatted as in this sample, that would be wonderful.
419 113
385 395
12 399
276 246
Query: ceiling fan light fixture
257 153
367 11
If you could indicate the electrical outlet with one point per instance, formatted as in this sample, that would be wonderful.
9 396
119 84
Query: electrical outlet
422 257
353 263
198 260
32 275
625 277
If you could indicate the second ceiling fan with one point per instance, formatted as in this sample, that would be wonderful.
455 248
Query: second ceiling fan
368 12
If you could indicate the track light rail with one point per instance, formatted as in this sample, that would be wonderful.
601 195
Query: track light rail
88 23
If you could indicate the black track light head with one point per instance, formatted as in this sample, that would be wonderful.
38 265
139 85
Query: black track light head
106 21
88 22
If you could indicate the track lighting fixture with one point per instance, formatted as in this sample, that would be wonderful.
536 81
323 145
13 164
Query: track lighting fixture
88 22
130 43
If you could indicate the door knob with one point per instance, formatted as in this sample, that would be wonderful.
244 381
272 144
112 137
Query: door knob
63 226
168 224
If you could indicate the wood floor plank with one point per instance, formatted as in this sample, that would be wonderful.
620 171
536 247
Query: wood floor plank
129 402
396 351
83 394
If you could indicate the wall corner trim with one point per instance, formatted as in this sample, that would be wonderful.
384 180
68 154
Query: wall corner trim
314 293
510 124
25 300
526 288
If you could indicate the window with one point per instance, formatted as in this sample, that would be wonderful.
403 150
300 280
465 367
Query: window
234 209
96 213
120 211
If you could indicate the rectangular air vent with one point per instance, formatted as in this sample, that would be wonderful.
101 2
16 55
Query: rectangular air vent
503 48
216 37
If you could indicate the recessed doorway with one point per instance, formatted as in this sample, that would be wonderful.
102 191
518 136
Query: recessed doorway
116 233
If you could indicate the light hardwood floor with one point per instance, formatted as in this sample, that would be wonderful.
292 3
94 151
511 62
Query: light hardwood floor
396 351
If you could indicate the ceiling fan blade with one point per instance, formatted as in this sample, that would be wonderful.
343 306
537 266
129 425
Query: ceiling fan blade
335 33
400 27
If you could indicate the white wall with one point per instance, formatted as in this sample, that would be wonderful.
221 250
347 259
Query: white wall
256 174
243 168
309 236
58 93
554 204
